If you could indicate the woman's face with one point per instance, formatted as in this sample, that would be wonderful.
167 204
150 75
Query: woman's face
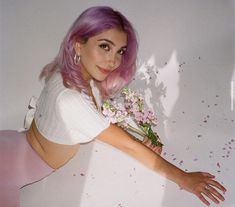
101 54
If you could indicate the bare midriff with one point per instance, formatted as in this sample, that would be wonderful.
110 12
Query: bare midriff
55 155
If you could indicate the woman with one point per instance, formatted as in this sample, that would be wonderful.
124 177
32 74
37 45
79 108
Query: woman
96 59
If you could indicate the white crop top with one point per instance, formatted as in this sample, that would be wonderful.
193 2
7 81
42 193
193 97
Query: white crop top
66 116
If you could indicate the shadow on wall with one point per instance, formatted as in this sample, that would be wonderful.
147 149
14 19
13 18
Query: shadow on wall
160 88
191 93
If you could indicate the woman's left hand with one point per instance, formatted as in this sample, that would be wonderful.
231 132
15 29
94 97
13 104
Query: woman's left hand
202 184
147 142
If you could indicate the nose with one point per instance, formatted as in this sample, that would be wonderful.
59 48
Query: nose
112 61
111 65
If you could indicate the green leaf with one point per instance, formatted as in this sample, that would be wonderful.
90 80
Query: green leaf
153 136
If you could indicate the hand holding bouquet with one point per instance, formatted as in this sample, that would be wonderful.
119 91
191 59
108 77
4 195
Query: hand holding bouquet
131 115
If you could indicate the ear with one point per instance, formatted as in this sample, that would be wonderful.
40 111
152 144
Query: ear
77 48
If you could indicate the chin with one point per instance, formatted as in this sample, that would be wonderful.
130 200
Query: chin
100 78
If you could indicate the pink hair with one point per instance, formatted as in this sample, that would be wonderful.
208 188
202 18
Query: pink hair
91 22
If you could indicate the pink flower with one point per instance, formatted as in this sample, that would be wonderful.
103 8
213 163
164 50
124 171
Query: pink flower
130 114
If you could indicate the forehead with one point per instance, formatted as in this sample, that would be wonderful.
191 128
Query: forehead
117 36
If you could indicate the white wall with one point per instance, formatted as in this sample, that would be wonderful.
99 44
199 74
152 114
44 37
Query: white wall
188 48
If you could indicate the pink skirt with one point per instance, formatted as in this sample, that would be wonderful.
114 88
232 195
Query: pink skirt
20 165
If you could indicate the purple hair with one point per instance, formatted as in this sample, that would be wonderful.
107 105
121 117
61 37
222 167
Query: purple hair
91 22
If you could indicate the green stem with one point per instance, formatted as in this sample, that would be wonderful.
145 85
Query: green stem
150 134
140 132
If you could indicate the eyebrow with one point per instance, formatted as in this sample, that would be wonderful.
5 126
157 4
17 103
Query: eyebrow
111 42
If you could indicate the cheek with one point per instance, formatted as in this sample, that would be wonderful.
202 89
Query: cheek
88 57
118 61
98 56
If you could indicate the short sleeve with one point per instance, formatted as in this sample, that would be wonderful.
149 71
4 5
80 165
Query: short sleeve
79 116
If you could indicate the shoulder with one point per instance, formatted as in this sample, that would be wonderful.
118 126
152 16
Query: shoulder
75 102
54 88
55 80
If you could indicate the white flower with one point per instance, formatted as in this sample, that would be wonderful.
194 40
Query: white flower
131 115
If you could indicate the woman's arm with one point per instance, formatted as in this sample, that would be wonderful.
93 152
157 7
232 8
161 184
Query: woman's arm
198 183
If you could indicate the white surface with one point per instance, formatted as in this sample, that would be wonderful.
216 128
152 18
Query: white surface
193 105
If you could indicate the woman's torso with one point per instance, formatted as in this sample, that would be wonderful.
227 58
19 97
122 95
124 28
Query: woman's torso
63 119
55 155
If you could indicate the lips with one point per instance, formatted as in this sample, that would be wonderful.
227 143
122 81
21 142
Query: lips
104 71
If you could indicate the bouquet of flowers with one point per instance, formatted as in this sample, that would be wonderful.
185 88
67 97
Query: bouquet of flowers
131 115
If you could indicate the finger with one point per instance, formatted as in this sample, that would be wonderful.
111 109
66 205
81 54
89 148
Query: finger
202 198
217 185
154 146
214 192
156 149
208 175
148 143
210 196
146 140
159 150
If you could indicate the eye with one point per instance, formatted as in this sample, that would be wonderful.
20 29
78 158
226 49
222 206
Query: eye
104 46
122 51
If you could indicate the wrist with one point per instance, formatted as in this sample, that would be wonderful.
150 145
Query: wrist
174 174
180 178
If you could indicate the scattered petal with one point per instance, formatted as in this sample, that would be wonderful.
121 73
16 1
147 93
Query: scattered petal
181 162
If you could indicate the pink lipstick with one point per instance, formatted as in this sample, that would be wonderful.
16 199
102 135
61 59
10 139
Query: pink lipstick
105 71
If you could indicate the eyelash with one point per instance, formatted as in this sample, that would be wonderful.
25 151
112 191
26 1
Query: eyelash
106 47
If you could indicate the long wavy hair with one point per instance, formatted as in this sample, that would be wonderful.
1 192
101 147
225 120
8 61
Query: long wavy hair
91 22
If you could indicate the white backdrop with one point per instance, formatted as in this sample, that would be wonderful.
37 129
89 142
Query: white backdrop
186 66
